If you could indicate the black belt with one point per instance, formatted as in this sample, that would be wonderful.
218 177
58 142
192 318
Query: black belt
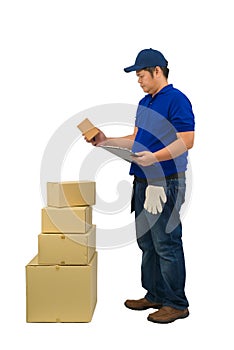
168 177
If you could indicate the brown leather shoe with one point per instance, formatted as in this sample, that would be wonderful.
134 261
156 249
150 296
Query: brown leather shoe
167 314
141 304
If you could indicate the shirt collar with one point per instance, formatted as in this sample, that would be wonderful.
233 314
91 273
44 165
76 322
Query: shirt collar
163 90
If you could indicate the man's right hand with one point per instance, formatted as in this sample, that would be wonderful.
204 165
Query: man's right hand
99 138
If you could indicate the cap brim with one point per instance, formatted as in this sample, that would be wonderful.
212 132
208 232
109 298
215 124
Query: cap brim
133 68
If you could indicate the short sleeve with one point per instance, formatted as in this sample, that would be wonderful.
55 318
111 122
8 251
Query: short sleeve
137 118
181 114
139 112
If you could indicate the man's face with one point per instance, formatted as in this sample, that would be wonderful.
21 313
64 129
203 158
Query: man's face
146 81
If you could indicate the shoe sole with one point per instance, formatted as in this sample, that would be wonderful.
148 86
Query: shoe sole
144 308
168 321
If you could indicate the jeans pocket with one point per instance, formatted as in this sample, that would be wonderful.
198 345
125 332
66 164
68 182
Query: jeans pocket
133 201
133 198
175 199
180 196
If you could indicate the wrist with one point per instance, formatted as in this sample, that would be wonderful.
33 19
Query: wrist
156 157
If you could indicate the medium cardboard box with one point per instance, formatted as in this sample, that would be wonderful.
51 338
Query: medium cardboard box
61 293
71 193
66 220
66 249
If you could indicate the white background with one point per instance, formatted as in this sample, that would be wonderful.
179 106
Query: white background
61 57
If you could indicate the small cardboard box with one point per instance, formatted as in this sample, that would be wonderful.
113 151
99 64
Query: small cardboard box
57 293
66 249
66 220
71 193
88 129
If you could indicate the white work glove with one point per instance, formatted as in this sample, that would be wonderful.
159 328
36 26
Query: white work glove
154 195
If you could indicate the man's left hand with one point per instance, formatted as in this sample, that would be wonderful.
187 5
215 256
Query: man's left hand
145 158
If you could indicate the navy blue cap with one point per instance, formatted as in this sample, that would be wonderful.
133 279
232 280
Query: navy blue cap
147 58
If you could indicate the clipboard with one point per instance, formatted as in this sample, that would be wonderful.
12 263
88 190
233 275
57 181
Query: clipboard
123 153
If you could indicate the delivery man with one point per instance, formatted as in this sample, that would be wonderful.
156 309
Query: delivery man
163 134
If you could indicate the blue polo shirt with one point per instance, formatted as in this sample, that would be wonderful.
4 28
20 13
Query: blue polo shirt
158 119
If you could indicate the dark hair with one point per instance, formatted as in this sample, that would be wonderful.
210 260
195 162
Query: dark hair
165 71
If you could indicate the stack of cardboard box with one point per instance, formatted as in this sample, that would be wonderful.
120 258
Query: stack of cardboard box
61 281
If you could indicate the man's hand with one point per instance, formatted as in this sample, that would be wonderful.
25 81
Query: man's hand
154 197
100 137
101 140
145 158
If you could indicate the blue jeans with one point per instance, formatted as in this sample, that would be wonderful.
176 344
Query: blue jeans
160 239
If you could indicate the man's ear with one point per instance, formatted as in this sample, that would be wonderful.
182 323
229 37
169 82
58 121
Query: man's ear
157 71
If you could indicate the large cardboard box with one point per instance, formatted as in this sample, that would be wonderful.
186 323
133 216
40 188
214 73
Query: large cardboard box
66 220
71 193
66 249
61 293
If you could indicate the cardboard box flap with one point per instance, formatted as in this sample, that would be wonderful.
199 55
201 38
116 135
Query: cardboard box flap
70 182
34 262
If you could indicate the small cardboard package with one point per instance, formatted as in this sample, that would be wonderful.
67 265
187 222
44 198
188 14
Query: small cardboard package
66 220
71 193
57 293
88 129
66 249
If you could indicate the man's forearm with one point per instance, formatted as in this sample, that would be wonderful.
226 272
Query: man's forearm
176 148
173 150
183 143
125 141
